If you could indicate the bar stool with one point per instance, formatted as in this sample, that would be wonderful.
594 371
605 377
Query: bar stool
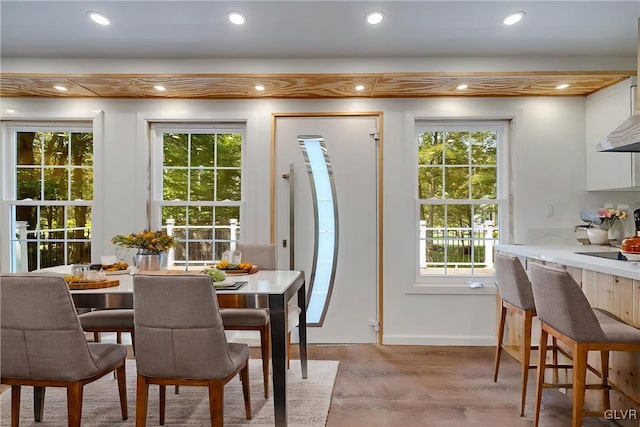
516 297
565 313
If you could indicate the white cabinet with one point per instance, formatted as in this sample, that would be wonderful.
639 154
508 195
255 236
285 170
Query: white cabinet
605 110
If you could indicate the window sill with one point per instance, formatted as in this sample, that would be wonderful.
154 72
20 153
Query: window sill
451 289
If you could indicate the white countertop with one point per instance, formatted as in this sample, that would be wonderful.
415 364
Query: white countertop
566 255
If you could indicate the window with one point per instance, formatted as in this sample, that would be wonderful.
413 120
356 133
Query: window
197 194
461 197
50 195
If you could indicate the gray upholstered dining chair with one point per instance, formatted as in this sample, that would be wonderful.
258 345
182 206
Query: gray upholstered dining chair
516 296
565 313
116 320
43 345
264 256
180 340
254 319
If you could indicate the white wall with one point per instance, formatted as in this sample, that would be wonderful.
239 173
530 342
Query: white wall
548 167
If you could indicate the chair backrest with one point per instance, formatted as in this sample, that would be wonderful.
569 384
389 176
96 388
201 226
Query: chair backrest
262 255
41 336
179 332
561 304
513 282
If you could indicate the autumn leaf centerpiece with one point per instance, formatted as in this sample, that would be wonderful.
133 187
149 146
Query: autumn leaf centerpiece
153 242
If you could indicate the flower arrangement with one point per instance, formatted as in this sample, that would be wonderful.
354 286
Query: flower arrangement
152 241
610 216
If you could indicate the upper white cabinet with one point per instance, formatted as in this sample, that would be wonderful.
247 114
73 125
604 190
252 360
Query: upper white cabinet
606 109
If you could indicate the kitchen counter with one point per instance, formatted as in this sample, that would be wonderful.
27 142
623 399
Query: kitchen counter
566 255
608 284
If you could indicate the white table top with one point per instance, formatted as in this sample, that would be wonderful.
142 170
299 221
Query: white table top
566 255
264 282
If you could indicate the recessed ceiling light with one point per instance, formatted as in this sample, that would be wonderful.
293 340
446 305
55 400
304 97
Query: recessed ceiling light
237 18
513 18
563 86
98 18
160 88
462 87
259 87
10 111
359 87
60 88
375 17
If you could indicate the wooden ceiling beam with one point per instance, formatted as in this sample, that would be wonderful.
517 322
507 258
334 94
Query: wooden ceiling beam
308 86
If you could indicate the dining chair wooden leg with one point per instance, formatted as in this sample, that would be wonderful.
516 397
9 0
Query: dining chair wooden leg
542 350
122 390
38 402
96 337
74 403
15 405
142 397
579 381
163 401
265 339
244 377
526 356
216 403
499 334
288 349
604 368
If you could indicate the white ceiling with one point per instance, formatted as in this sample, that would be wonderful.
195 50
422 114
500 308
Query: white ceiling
317 29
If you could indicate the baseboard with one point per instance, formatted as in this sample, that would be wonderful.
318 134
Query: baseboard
253 340
440 340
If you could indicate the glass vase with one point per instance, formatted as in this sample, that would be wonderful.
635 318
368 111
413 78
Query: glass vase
146 260
615 234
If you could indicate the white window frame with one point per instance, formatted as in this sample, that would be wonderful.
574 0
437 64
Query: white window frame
502 127
156 184
8 191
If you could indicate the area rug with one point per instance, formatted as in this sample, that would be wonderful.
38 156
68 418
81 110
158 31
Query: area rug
308 401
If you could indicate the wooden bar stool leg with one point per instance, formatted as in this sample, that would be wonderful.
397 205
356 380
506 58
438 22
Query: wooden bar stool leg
499 333
579 382
542 350
526 356
604 366
554 351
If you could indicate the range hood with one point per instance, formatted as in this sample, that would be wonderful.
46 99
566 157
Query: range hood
625 138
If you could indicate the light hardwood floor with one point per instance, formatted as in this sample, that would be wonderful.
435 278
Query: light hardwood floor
424 386
429 386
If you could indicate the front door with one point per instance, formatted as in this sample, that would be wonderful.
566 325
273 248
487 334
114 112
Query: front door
327 220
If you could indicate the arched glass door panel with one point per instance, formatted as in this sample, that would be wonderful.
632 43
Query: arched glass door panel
325 212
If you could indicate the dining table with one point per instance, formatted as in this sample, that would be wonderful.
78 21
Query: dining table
271 289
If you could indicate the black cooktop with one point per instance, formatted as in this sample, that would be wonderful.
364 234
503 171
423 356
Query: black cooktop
608 255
